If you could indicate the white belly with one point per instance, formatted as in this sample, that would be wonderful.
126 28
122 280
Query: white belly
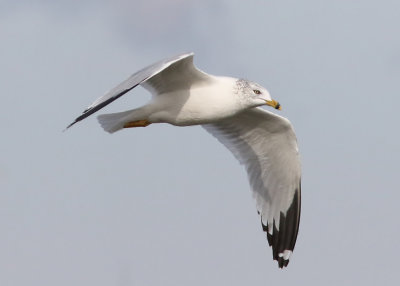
200 105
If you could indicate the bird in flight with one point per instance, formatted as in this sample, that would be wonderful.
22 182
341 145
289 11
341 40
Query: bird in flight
229 109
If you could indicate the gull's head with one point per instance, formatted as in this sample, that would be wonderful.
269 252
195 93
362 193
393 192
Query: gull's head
252 94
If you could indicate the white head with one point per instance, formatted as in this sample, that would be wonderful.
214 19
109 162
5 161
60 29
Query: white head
252 94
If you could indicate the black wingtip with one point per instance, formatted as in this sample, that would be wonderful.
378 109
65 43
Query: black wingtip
66 128
74 122
84 114
284 239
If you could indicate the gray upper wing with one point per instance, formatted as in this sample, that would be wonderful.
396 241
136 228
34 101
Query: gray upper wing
155 71
179 76
266 145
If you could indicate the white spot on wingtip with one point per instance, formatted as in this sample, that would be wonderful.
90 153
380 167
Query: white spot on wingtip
270 229
285 254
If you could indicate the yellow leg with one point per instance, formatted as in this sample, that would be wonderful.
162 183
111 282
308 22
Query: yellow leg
138 123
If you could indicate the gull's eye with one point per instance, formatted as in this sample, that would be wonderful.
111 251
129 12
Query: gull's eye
256 91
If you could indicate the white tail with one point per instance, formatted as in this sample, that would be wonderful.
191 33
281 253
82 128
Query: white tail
114 121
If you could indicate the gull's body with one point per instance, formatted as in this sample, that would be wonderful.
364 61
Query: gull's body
189 105
263 142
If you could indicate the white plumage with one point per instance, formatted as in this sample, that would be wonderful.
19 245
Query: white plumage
226 107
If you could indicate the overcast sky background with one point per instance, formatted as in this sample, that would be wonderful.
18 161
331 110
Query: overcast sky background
171 206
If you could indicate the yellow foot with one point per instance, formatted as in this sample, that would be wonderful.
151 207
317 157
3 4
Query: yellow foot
138 123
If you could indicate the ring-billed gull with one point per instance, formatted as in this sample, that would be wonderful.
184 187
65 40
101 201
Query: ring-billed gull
228 108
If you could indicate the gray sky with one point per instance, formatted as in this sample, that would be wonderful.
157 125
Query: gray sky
171 206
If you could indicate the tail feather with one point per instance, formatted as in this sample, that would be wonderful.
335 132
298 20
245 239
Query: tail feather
114 121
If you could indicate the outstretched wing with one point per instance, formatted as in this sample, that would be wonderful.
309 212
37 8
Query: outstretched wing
266 145
173 73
